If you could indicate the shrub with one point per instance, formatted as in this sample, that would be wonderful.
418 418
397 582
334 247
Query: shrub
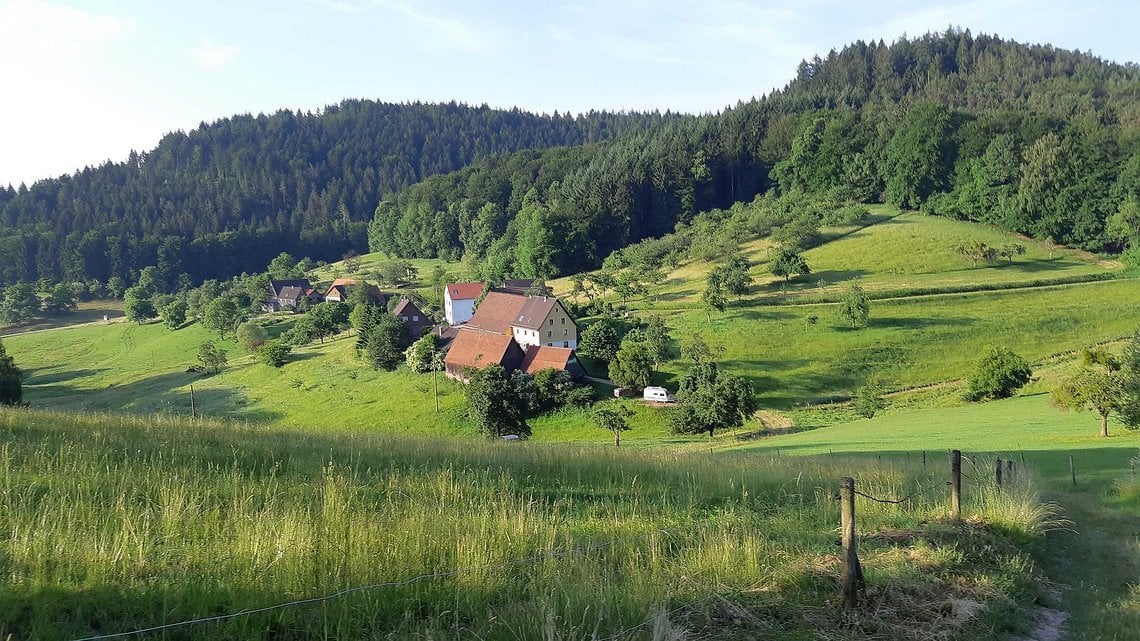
251 337
869 400
274 353
998 374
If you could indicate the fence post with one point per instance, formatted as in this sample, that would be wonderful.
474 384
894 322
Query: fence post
997 473
1072 470
955 484
924 458
852 570
193 410
1009 471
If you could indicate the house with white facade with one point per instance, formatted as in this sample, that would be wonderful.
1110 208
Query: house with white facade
459 301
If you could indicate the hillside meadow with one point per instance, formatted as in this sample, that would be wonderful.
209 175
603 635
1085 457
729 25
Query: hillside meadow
1093 561
170 519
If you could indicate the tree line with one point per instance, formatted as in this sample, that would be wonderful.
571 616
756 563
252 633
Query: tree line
1031 139
230 195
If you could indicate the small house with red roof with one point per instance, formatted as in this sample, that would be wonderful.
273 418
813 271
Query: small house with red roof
459 301
338 291
473 350
540 357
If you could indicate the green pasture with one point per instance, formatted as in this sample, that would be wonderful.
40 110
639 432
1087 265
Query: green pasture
111 524
1091 557
803 353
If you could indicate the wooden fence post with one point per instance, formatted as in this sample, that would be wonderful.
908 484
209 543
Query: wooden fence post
955 484
852 570
997 473
1072 470
924 458
1009 471
193 410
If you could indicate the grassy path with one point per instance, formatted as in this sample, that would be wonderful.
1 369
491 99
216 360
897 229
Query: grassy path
1096 563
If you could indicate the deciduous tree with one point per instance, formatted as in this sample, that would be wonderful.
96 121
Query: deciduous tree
855 307
613 419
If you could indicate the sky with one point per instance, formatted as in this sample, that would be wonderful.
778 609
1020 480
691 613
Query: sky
89 81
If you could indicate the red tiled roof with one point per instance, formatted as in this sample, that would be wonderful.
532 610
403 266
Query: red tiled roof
539 358
464 291
478 349
497 313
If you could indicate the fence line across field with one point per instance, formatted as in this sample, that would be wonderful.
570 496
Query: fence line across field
556 554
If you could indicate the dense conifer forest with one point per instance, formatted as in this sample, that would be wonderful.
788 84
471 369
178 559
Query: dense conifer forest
1028 138
230 195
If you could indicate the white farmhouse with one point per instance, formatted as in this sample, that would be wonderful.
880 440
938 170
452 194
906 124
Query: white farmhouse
459 301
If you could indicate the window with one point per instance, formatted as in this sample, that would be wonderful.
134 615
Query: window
404 318
565 332
550 333
563 320
566 343
552 321
415 318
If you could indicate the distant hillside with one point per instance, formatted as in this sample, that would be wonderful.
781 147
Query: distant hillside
1032 139
228 196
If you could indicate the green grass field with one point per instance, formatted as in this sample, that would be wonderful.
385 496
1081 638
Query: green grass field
168 520
1094 562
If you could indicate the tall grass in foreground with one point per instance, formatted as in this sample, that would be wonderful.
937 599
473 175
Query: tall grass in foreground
112 523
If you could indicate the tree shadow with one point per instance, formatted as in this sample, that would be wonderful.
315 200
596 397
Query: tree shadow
894 322
49 375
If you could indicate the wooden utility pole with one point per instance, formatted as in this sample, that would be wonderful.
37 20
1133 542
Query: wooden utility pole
955 484
997 473
852 570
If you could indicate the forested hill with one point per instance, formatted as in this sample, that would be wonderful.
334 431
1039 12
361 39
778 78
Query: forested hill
1029 138
228 196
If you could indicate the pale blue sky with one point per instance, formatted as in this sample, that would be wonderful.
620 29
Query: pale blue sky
88 81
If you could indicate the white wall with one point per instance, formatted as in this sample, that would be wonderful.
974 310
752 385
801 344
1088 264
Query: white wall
457 311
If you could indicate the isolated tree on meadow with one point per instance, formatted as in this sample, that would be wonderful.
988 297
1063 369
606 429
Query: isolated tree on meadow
11 379
713 298
787 263
251 336
174 314
998 374
137 305
976 251
1092 388
274 353
660 342
709 400
222 315
855 307
696 350
1009 250
613 419
212 357
421 355
869 399
734 275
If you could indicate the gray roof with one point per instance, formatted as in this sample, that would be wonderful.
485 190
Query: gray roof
534 311
291 293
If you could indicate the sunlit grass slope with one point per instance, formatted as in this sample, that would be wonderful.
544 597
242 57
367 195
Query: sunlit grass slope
110 524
